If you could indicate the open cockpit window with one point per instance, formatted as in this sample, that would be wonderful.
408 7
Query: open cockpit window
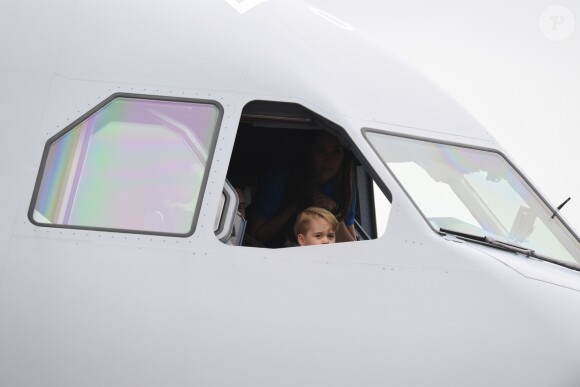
287 158
133 163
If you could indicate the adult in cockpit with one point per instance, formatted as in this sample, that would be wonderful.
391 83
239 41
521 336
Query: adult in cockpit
324 177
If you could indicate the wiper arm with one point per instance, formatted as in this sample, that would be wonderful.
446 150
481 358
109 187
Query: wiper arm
492 242
485 240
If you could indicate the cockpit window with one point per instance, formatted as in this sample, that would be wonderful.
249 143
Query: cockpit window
132 163
287 158
475 192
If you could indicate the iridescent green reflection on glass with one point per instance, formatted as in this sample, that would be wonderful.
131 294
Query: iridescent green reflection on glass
135 164
475 192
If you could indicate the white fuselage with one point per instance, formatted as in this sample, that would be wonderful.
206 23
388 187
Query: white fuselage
410 308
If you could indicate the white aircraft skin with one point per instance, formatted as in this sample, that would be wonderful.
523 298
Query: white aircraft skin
411 308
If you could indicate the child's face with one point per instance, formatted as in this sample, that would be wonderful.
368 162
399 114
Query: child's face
319 232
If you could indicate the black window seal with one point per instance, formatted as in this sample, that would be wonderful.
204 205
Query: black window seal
461 145
94 110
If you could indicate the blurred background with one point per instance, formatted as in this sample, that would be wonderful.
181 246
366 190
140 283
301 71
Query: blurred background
514 65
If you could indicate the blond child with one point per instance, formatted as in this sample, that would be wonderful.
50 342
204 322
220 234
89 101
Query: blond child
315 226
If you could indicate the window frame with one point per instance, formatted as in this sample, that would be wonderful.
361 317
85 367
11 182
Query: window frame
345 136
94 110
461 145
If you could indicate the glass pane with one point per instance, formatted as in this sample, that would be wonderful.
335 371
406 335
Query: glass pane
382 210
476 192
135 164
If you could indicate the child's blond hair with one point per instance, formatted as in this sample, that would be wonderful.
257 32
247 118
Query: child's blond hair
303 219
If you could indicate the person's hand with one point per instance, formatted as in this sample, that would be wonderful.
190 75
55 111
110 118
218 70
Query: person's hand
321 200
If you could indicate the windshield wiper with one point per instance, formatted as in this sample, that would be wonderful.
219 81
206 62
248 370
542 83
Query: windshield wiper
488 241
492 242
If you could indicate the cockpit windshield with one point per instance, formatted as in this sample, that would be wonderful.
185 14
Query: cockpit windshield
476 192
